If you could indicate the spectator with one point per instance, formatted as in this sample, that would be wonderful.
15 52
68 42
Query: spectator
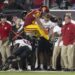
17 28
1 6
18 22
59 3
37 3
5 29
11 5
68 4
68 38
23 4
73 3
57 45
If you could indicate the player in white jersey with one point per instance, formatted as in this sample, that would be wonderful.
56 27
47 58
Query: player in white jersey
57 46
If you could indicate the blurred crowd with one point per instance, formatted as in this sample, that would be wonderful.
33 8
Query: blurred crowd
32 4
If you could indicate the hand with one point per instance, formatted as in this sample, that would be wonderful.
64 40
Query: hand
34 15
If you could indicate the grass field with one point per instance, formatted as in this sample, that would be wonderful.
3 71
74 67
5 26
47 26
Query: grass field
37 73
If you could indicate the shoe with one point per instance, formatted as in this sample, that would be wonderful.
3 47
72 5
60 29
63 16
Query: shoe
38 68
5 67
11 69
20 70
53 69
66 69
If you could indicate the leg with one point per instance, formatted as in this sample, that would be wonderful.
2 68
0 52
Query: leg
3 53
40 57
33 60
8 53
55 56
70 54
64 56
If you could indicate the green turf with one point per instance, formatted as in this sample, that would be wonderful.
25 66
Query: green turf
37 73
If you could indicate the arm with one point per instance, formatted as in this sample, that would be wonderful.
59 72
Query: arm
20 28
60 39
73 31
